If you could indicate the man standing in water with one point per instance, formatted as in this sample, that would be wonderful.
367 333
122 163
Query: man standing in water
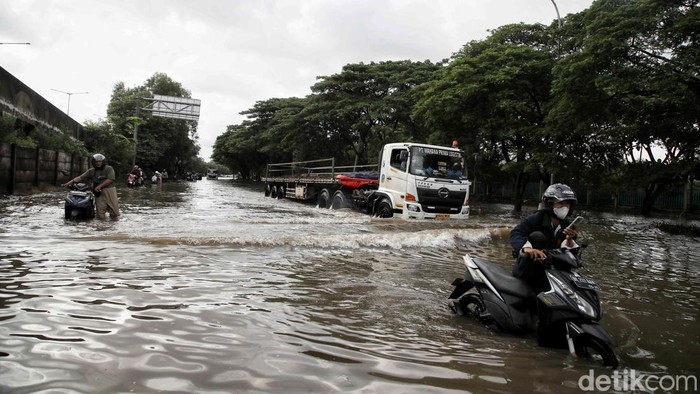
102 177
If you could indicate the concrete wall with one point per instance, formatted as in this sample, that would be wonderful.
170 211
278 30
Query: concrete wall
27 169
18 100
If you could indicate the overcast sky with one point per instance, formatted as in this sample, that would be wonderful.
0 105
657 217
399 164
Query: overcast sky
232 53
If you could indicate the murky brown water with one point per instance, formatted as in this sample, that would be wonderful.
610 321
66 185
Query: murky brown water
210 287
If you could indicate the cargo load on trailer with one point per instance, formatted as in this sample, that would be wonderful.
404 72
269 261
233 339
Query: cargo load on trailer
410 180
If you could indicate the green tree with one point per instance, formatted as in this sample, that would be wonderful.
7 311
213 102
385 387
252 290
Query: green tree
270 133
101 137
238 149
494 95
632 85
367 105
161 142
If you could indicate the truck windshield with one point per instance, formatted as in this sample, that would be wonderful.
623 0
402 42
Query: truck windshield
437 163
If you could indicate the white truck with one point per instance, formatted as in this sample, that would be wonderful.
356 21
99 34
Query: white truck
411 180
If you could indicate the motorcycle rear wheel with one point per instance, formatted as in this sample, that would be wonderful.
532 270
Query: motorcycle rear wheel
595 349
471 305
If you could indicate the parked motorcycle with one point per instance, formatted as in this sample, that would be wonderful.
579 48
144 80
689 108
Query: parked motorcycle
80 202
564 316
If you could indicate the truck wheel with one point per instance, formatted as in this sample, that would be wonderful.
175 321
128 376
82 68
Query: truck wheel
273 191
267 190
324 199
340 200
384 209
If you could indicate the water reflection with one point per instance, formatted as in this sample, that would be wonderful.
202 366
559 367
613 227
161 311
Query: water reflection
210 287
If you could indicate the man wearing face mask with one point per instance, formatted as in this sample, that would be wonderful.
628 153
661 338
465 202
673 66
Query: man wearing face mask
559 202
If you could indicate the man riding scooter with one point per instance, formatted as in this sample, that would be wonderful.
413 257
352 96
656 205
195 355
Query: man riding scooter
558 203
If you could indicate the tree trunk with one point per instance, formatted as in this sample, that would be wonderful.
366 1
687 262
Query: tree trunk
651 193
518 192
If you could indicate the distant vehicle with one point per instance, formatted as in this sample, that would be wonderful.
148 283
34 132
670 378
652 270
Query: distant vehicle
212 174
410 180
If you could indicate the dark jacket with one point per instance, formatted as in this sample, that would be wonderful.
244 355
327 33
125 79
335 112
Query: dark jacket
538 221
525 268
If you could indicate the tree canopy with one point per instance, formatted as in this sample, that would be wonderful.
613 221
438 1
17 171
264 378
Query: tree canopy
610 98
161 143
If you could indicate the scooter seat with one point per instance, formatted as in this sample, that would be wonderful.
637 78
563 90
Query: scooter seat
504 281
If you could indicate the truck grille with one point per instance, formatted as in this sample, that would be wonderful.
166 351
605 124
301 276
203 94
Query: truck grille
432 202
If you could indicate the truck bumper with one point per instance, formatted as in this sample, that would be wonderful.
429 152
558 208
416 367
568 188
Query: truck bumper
413 211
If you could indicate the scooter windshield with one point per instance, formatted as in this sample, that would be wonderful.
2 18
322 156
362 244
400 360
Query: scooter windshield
436 163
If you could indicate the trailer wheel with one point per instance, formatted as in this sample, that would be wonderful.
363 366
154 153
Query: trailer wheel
340 200
384 209
324 199
267 190
273 191
280 191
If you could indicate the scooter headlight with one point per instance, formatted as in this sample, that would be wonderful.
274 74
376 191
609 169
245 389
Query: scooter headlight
567 293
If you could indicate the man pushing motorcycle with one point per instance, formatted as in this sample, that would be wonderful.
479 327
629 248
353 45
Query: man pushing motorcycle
102 178
552 221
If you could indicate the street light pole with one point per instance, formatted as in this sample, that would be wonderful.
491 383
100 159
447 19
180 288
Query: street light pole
551 175
557 10
69 94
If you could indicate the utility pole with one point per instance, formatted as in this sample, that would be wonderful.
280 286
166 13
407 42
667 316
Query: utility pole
136 130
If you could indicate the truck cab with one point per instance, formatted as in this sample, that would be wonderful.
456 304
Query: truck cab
424 181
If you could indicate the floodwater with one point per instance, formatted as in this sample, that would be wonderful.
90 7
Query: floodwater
210 287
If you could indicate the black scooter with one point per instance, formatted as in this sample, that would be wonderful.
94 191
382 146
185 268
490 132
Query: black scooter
80 202
569 311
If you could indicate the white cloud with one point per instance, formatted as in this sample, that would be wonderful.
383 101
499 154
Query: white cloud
232 53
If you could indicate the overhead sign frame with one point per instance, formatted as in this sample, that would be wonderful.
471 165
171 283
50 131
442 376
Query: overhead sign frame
174 107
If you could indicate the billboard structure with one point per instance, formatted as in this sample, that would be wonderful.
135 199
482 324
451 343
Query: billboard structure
174 107
167 107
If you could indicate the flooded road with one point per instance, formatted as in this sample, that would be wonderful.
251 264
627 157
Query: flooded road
211 287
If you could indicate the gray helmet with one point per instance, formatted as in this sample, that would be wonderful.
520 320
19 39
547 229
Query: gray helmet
558 192
98 157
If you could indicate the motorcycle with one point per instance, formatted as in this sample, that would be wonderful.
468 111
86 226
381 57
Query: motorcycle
133 181
567 314
80 202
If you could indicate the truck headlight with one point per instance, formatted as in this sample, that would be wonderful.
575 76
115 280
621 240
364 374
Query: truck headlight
413 208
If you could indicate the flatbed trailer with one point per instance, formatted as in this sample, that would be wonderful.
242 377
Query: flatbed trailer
319 180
